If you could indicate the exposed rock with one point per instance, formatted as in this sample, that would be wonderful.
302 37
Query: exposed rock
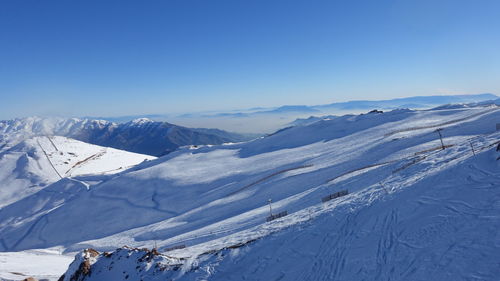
81 266
125 263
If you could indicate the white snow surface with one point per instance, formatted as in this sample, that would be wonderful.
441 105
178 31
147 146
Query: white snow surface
39 161
44 264
442 226
414 211
438 220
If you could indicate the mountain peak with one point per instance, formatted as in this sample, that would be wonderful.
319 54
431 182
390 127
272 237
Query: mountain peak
140 121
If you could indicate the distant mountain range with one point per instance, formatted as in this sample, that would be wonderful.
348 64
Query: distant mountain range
489 100
417 102
157 137
142 135
267 120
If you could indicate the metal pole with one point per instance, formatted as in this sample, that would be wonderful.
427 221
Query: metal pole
472 147
440 137
270 208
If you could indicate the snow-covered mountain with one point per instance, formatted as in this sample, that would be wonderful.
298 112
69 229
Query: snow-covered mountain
443 226
413 210
141 135
39 161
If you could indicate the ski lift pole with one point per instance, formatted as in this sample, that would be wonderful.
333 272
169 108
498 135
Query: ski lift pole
440 137
270 207
472 147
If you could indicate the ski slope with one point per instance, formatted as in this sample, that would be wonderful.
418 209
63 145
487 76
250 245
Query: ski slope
37 162
438 220
441 226
212 198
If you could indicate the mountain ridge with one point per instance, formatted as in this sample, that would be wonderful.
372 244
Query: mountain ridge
140 135
415 102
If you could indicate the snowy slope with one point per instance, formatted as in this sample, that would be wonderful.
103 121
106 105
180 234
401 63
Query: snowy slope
213 197
440 227
37 162
434 227
44 264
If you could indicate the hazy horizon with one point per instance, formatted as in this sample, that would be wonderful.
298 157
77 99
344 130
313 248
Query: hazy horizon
261 120
220 110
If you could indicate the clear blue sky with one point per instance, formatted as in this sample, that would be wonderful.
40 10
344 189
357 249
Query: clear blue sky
109 58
